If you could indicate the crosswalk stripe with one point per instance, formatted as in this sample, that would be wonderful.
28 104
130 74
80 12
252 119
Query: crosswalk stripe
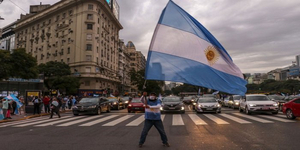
59 121
78 121
39 122
282 116
98 121
162 117
276 118
137 121
197 120
215 119
113 123
23 121
253 118
241 121
177 120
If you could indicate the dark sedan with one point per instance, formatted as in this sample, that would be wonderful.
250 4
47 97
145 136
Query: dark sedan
92 105
172 104
278 99
188 99
116 103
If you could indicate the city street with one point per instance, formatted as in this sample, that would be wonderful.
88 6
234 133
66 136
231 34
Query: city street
120 130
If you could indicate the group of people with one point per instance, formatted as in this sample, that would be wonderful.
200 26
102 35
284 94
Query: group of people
9 107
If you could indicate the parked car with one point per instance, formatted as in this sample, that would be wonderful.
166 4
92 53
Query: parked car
234 101
207 104
257 103
115 103
172 104
92 105
188 99
278 99
292 108
136 105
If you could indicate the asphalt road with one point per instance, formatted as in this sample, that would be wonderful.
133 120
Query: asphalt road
120 130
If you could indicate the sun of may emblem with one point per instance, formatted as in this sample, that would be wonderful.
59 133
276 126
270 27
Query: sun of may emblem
212 55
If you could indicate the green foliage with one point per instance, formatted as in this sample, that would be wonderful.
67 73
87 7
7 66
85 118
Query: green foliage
185 88
272 86
19 64
57 76
137 78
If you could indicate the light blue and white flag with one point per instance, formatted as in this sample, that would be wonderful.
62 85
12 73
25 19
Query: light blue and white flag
214 93
199 92
182 50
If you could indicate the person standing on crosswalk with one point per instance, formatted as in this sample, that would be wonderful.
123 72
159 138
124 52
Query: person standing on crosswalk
152 118
54 108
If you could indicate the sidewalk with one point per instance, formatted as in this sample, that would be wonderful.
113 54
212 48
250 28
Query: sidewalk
27 116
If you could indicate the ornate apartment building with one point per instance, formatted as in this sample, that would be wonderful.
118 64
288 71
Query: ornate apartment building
81 33
138 60
124 68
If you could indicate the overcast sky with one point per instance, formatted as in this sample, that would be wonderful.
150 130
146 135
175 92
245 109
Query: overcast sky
260 35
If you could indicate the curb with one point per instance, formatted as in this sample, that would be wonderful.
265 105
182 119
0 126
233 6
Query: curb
32 116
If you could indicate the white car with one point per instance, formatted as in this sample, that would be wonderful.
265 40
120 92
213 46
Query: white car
257 103
207 104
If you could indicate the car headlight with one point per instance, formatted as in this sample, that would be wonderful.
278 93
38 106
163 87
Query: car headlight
199 105
194 103
192 100
218 105
93 106
161 108
126 102
129 105
275 105
182 108
252 105
115 103
237 103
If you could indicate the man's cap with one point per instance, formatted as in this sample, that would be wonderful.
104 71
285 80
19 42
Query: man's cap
152 93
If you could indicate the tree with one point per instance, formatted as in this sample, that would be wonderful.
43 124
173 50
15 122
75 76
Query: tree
137 78
57 76
18 64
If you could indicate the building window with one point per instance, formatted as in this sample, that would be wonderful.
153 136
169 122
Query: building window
89 47
87 83
90 7
88 69
97 49
61 60
70 12
90 26
98 20
57 18
88 57
89 16
68 60
69 50
89 37
97 60
64 16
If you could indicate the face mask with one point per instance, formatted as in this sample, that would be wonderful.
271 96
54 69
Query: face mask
152 97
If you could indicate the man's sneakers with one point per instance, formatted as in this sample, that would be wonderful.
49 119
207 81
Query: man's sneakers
166 145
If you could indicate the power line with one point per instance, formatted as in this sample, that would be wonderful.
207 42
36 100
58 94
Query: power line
16 5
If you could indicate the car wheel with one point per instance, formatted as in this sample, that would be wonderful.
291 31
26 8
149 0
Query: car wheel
219 111
289 114
240 109
247 111
183 112
99 111
129 111
75 114
275 112
108 109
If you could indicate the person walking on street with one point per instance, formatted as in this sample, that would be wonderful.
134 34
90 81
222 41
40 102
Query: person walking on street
6 109
36 105
22 108
54 108
14 107
1 112
46 102
63 106
70 102
152 118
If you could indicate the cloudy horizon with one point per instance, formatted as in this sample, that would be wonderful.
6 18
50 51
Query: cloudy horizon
260 35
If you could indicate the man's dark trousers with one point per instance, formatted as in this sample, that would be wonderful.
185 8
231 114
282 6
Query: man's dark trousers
158 125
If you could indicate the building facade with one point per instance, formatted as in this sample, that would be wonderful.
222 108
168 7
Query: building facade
298 60
81 33
7 37
124 69
138 60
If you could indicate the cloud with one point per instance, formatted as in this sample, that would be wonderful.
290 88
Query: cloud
260 35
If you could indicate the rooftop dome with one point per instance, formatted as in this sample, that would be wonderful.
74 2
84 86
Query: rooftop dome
130 45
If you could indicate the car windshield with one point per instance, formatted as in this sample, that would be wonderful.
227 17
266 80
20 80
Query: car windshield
206 100
112 99
89 100
209 95
257 98
187 98
171 99
276 97
125 98
237 97
135 100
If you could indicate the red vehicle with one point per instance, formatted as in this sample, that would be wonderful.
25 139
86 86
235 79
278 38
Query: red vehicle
135 105
292 108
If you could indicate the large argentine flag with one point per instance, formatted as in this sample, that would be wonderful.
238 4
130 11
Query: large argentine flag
182 50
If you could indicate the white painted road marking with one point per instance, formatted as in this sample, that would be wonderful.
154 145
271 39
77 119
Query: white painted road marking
137 121
39 122
99 120
253 118
197 120
241 121
113 123
215 119
177 120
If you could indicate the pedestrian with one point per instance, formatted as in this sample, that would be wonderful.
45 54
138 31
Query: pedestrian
63 106
54 108
14 107
59 100
22 108
74 100
152 118
6 109
70 102
46 102
36 105
1 112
